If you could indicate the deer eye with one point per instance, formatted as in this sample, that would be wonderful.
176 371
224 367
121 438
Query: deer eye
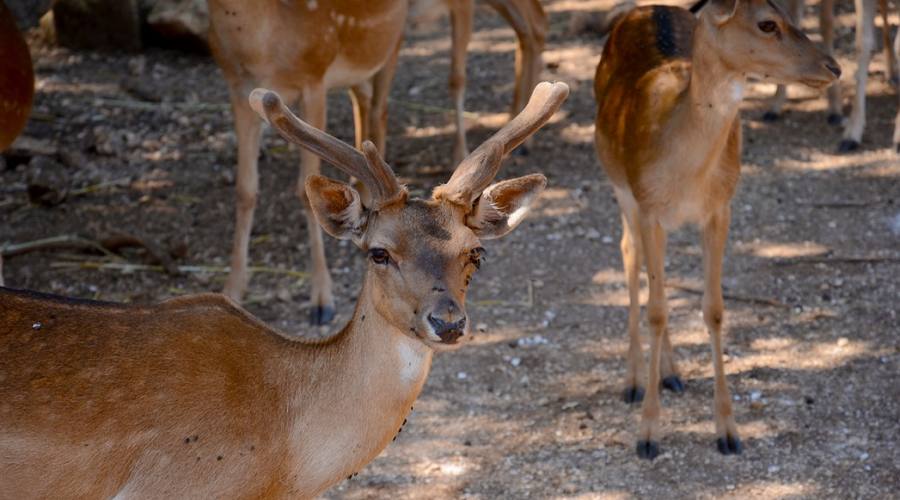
768 26
379 256
476 257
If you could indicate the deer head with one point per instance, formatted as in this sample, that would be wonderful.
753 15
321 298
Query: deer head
757 38
421 252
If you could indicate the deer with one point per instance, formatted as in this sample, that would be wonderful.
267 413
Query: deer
16 84
301 49
194 397
668 135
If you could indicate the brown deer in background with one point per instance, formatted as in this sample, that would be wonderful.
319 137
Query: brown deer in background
668 135
300 49
16 84
196 398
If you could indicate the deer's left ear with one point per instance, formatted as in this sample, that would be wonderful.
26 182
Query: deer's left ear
503 205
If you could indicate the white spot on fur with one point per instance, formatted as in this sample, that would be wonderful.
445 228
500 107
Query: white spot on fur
413 356
312 5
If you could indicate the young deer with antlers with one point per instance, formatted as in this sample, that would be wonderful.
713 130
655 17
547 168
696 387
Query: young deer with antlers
195 398
668 134
300 49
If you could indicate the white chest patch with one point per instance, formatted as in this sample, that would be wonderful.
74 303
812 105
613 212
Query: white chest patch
413 357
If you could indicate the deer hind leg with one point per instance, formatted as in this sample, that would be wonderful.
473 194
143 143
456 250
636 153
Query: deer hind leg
897 76
461 24
865 22
714 235
653 239
826 26
381 87
321 299
631 260
361 95
247 128
889 53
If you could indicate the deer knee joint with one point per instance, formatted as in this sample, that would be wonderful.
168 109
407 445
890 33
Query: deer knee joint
657 320
246 198
457 82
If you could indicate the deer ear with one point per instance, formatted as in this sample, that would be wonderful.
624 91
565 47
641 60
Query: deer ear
723 10
337 207
503 205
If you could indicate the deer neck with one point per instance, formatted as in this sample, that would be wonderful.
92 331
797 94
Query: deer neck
716 89
376 372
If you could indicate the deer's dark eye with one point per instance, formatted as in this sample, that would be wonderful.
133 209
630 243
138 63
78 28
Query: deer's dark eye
379 255
476 257
768 26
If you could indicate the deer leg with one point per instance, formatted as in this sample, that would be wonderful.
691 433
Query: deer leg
321 299
381 87
897 76
865 21
653 239
631 260
826 26
886 39
361 95
461 24
247 128
714 235
795 14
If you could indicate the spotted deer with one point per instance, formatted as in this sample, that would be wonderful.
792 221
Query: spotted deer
301 49
668 135
195 398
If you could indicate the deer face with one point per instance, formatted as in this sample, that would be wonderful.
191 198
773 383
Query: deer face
758 37
422 254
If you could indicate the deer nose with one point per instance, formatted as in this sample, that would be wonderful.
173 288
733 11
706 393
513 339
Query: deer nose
448 322
833 66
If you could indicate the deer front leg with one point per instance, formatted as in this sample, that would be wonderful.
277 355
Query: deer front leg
865 23
715 234
247 128
826 27
631 260
321 299
795 14
653 239
461 24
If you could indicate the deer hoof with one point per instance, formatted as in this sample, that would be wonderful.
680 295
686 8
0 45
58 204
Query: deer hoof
673 383
771 116
633 394
729 445
848 145
321 315
647 450
835 119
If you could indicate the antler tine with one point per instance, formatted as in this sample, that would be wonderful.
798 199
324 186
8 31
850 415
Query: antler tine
481 166
370 168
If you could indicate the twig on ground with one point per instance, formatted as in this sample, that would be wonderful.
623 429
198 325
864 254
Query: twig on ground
65 241
766 301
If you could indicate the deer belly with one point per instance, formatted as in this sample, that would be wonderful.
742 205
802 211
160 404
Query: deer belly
343 73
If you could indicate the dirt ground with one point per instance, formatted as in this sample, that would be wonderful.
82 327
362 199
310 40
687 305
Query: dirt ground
532 407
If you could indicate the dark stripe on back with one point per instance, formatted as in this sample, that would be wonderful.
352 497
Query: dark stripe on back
665 35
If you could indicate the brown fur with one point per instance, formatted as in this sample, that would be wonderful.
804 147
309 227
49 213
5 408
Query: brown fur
668 135
195 398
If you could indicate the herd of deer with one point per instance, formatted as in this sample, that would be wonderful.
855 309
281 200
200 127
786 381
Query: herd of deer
194 397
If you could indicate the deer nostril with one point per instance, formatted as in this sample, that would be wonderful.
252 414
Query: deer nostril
834 68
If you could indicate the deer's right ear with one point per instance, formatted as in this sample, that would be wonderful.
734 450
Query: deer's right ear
723 10
337 207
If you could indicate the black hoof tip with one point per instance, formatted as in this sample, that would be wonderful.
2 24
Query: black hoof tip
521 151
771 116
729 445
835 119
321 315
633 395
673 383
647 449
848 145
